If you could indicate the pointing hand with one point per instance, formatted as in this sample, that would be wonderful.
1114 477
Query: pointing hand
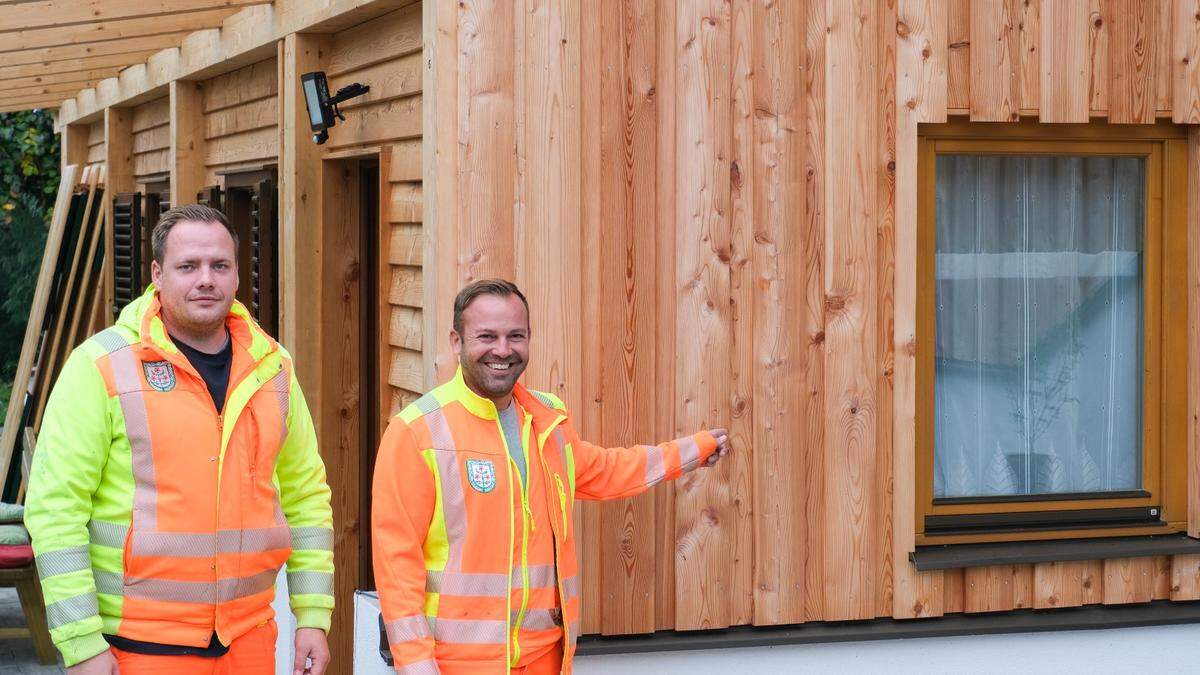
722 436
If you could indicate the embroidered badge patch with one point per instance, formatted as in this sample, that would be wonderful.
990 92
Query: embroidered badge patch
481 473
160 375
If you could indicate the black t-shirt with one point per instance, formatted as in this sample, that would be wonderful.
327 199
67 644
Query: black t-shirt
214 368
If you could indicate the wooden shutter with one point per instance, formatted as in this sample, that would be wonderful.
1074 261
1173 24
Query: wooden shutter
264 267
127 249
211 196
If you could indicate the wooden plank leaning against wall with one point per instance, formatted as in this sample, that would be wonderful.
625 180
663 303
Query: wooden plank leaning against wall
815 303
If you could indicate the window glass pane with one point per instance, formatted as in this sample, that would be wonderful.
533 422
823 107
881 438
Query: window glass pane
1038 357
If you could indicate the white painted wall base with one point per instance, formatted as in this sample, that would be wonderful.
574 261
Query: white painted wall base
1160 649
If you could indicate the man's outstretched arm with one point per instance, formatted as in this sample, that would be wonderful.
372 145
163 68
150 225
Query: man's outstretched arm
614 473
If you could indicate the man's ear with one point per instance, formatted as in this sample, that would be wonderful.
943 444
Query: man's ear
155 272
455 341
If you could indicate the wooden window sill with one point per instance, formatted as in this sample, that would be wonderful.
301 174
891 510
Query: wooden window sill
956 556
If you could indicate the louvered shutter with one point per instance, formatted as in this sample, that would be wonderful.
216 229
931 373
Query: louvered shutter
127 249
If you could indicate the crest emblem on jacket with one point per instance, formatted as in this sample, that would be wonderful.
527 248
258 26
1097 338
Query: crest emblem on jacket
160 375
481 474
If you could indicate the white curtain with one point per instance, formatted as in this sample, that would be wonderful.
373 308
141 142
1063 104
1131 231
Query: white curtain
1039 323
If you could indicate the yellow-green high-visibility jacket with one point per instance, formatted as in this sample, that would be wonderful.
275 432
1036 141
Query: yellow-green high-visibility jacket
157 518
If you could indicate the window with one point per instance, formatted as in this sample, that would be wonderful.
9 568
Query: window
1053 312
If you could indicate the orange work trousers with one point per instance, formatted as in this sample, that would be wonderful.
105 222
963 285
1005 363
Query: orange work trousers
548 664
250 654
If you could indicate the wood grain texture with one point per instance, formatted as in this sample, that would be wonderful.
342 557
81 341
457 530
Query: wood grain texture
995 60
627 287
851 285
914 594
118 162
1133 48
152 114
259 114
1185 577
1185 50
777 301
988 589
1065 28
705 525
244 85
1099 27
1193 340
377 41
813 324
250 146
1058 584
958 56
1128 580
1030 22
188 149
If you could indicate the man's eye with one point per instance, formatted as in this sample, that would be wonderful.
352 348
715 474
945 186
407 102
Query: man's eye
185 267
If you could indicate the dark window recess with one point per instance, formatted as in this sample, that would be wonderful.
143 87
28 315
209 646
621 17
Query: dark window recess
1037 521
157 202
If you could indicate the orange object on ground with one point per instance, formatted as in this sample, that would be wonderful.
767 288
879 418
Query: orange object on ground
251 654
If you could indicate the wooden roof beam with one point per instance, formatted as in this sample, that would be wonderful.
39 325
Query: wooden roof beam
62 89
111 30
79 65
81 78
253 30
139 45
44 102
55 13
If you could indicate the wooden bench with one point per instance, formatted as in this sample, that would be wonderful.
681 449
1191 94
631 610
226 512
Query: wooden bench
25 579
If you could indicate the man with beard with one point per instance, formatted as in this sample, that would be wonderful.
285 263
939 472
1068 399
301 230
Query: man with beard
176 472
474 492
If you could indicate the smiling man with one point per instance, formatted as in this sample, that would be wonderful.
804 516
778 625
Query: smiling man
473 502
176 472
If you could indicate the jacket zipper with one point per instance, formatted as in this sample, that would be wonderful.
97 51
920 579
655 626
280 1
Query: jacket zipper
562 505
529 524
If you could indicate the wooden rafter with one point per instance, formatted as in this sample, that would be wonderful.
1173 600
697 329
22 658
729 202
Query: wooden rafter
76 65
130 46
113 30
61 89
82 79
54 13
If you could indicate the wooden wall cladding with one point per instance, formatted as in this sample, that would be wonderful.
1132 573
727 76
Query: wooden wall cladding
95 142
712 206
384 53
151 138
241 118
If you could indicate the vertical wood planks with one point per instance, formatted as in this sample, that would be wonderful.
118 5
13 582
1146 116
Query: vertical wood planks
851 352
958 55
626 318
1058 584
995 60
1128 580
118 162
1132 55
887 28
779 303
1185 106
813 325
665 297
988 589
920 97
739 466
1065 64
588 410
486 140
1029 22
705 530
1099 23
1185 577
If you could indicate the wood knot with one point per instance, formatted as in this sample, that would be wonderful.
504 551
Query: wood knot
651 92
834 303
1097 21
911 104
902 29
926 53
735 175
818 337
891 166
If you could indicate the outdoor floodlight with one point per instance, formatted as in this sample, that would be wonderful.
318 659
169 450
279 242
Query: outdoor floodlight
322 109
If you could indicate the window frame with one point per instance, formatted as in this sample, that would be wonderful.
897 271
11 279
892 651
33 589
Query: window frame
1164 393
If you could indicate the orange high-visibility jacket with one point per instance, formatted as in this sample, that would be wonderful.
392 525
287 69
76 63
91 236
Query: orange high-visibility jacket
451 532
156 518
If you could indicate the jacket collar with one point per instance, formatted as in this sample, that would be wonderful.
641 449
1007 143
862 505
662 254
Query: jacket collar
143 316
483 408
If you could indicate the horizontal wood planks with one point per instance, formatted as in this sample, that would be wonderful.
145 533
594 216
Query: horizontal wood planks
241 118
151 138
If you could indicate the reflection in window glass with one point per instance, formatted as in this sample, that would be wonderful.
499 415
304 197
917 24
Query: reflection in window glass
1037 375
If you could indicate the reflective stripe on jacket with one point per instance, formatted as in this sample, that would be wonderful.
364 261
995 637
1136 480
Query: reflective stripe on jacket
156 518
455 583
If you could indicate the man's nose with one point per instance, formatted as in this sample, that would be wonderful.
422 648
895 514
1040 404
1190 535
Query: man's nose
206 275
502 348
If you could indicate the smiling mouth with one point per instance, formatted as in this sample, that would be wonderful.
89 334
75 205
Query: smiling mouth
499 367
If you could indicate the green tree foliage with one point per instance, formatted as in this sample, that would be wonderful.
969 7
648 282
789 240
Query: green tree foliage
29 162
